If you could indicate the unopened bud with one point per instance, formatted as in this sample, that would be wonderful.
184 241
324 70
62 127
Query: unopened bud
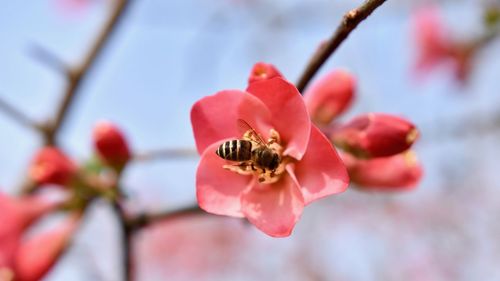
330 96
52 166
110 144
395 173
375 135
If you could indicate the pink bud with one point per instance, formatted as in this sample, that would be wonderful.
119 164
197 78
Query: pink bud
330 96
375 135
263 71
111 144
52 166
36 256
395 173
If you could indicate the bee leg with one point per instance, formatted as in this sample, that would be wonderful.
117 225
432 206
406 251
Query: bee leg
253 167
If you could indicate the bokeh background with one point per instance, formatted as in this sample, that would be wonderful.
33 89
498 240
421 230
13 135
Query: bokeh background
167 54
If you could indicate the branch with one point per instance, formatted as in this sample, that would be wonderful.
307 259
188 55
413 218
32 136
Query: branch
48 58
77 74
165 154
18 116
145 219
349 22
127 243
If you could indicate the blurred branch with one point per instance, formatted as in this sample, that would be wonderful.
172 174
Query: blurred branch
48 58
77 74
145 219
127 243
18 116
349 22
166 154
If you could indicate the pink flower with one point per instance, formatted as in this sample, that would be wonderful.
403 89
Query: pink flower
330 96
309 167
375 135
111 144
435 46
396 173
17 214
52 166
36 256
263 71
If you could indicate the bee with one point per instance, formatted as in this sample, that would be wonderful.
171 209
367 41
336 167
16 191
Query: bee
252 150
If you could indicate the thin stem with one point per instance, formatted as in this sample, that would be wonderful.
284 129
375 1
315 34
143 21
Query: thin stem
127 243
166 154
18 116
77 74
146 219
349 22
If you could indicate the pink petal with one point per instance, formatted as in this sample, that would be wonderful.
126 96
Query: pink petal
321 172
215 117
289 113
217 189
274 208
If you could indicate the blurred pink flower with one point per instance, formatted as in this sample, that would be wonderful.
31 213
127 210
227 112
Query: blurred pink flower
375 135
111 144
262 71
36 256
17 214
309 169
395 173
330 96
51 166
190 248
435 46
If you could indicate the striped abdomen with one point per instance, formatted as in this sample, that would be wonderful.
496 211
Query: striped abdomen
235 150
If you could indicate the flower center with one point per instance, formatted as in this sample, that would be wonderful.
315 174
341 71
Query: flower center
267 162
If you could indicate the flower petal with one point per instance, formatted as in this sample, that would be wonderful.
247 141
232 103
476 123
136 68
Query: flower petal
215 117
320 172
218 190
289 113
274 208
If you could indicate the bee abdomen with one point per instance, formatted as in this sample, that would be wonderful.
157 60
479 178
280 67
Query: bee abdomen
235 150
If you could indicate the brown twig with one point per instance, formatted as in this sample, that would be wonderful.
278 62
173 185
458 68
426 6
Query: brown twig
167 153
349 22
75 77
18 116
127 242
77 74
146 219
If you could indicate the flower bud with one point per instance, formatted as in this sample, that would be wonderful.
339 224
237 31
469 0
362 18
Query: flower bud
36 256
330 96
263 71
394 173
110 144
52 166
375 135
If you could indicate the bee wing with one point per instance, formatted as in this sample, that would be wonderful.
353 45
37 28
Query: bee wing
244 127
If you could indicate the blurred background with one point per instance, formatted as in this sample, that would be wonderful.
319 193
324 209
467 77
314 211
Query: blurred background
165 55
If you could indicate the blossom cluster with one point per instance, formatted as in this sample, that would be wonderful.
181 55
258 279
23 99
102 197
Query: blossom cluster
284 158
